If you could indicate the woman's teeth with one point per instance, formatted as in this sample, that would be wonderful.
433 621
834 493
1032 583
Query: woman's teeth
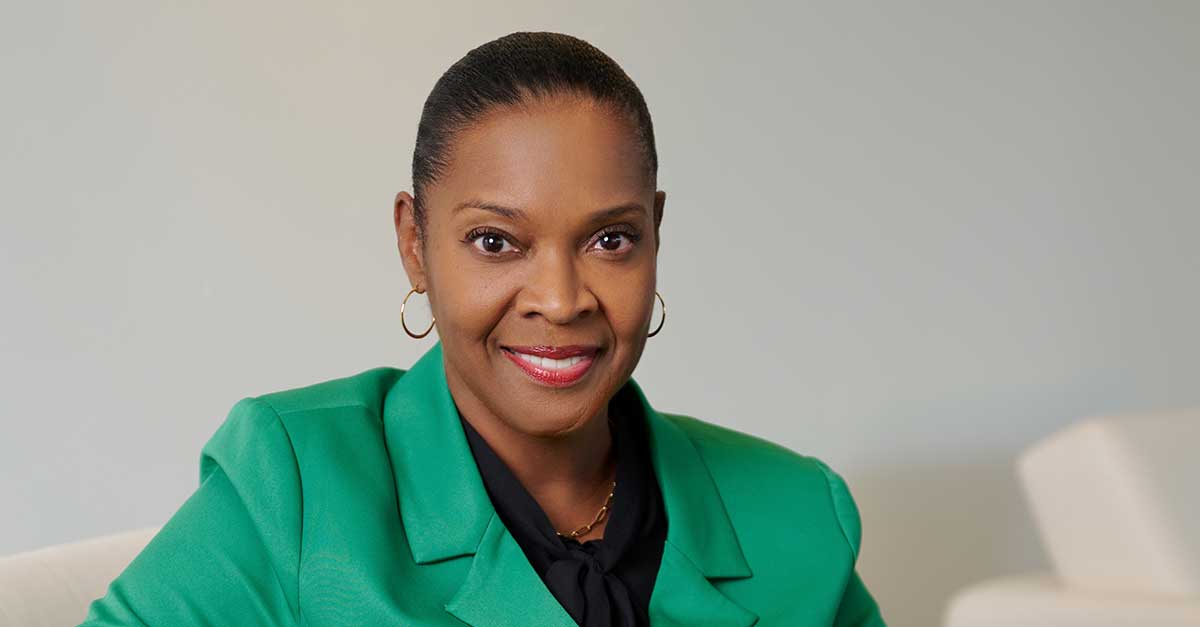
550 364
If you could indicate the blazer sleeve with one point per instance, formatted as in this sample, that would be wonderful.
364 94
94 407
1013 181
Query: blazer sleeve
230 554
857 608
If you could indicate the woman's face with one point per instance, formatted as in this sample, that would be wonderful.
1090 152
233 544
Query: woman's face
542 232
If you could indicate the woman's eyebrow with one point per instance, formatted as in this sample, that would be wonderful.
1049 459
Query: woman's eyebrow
617 211
512 213
507 212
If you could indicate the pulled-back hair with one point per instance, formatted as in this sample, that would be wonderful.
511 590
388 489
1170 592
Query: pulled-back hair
513 70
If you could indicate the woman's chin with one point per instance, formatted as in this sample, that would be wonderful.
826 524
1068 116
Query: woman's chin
551 426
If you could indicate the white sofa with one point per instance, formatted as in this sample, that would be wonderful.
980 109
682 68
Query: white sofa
52 587
1116 500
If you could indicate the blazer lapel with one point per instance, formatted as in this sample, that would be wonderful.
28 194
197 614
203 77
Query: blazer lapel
446 513
445 509
502 589
701 542
443 505
683 596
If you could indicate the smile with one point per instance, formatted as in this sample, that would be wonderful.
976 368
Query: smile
553 366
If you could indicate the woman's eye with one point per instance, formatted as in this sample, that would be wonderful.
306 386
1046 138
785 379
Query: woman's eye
490 243
615 241
493 243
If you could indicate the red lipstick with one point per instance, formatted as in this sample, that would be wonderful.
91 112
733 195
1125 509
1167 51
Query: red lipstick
553 366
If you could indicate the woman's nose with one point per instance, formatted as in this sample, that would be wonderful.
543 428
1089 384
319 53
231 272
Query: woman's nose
557 291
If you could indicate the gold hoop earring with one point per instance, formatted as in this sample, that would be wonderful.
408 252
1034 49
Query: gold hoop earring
664 316
410 333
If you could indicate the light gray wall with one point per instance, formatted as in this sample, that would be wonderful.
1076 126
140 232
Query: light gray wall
909 238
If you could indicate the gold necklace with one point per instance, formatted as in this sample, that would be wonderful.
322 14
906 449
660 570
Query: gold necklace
607 500
599 516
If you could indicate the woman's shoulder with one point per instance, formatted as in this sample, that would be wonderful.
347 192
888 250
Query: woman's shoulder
365 389
728 447
276 424
752 472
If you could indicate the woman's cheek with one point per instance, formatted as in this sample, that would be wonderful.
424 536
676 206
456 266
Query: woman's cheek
464 297
629 306
467 317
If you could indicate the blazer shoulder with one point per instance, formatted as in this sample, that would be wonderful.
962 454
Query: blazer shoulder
727 446
268 425
364 389
741 463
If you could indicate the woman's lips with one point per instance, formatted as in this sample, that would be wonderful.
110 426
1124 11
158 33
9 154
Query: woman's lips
553 366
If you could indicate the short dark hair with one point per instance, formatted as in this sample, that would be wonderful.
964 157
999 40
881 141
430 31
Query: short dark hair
511 70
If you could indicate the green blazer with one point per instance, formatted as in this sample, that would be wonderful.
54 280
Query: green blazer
356 501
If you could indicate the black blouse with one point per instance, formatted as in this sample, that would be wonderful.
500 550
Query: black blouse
600 582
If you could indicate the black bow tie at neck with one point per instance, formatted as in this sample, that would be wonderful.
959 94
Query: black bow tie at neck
584 576
603 582
590 592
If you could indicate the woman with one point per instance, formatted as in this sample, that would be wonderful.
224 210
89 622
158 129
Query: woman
516 474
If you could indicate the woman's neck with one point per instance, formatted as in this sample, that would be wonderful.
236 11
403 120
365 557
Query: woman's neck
569 475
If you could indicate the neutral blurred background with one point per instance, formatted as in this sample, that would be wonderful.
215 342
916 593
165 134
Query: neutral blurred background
907 238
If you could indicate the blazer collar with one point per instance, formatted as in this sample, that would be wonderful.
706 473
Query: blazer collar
446 513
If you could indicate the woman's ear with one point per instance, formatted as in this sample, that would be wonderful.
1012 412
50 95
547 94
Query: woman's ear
660 200
408 240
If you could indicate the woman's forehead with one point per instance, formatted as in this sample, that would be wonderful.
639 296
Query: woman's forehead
549 154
